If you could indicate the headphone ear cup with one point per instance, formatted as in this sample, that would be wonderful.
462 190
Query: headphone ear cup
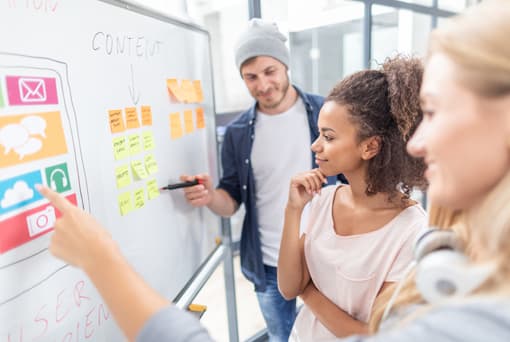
53 186
433 240
64 181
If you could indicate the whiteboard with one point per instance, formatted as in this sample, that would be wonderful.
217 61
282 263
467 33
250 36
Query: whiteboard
105 102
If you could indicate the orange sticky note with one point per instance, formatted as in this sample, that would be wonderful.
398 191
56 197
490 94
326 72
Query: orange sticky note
199 95
174 90
116 121
200 118
175 126
188 121
132 118
146 116
189 91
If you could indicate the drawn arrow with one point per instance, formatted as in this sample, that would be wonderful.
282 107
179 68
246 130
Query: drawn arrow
135 96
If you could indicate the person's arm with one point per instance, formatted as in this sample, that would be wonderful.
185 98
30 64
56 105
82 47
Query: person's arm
80 240
217 200
336 320
292 271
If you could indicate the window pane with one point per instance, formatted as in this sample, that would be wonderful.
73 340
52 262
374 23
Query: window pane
455 5
427 3
398 31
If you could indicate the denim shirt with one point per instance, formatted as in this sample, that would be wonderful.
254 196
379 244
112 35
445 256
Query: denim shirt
238 180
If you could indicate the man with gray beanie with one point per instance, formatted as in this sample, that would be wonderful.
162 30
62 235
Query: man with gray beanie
262 149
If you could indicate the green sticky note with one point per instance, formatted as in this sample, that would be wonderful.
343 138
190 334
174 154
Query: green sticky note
135 145
1 97
120 149
125 203
152 189
139 169
150 164
122 176
139 196
148 140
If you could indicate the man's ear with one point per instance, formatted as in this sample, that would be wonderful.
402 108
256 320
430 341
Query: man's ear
370 147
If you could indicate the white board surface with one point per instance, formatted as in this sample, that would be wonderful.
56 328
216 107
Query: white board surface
67 69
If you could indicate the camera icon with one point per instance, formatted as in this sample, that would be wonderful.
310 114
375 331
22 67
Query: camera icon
41 221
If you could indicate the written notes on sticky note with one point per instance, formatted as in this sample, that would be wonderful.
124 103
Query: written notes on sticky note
200 118
150 164
139 196
152 189
132 118
175 126
188 121
197 85
148 141
139 169
122 176
174 90
116 121
135 145
125 203
120 148
146 116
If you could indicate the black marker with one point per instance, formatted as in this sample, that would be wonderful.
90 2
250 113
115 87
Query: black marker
182 185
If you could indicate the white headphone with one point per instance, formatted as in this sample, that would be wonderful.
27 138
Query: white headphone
53 185
442 269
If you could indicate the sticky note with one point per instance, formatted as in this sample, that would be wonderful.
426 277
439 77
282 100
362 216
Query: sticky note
139 169
132 118
200 118
125 203
174 90
122 176
146 116
175 126
148 141
188 91
135 145
1 97
199 95
116 121
120 148
150 164
139 196
152 189
188 121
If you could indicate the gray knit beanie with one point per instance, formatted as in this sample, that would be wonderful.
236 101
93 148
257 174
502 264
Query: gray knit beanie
261 38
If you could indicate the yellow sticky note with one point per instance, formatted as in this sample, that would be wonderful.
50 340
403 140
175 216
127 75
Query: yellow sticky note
200 118
139 196
198 91
150 164
132 118
152 189
125 203
122 176
148 140
116 121
120 148
188 121
146 116
135 145
174 90
175 126
139 169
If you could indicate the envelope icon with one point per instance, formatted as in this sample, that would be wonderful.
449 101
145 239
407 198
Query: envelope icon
32 89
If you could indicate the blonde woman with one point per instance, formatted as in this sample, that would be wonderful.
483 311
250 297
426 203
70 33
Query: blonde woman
465 141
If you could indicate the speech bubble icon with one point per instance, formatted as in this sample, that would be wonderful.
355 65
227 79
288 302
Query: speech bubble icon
13 136
31 146
35 125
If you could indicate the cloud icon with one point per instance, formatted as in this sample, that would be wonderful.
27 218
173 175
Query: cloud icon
19 193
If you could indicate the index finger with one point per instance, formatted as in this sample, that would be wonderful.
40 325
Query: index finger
55 198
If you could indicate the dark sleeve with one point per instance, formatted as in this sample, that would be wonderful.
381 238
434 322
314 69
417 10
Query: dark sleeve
466 324
173 324
230 178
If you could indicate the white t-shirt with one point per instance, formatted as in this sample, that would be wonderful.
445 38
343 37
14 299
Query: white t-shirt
281 149
350 270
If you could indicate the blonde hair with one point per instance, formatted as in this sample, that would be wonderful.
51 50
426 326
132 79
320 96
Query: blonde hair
477 42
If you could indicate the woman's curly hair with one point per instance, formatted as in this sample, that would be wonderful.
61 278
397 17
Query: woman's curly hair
385 103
